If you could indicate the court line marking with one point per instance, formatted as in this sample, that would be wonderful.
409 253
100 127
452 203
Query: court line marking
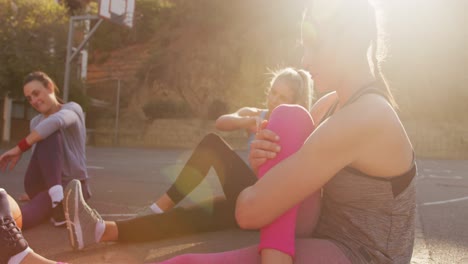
118 215
445 177
95 167
447 201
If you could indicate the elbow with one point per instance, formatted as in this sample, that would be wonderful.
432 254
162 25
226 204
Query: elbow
223 124
246 215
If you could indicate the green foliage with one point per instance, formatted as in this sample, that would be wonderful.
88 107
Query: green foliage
77 94
32 37
155 109
147 20
75 6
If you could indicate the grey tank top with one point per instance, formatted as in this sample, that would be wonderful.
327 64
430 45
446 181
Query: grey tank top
370 219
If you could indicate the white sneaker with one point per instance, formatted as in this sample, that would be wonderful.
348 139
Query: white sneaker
81 219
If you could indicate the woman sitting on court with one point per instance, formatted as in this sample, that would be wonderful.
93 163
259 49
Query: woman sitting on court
58 138
87 227
359 154
287 86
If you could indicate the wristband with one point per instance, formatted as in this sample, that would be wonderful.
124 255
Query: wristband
23 145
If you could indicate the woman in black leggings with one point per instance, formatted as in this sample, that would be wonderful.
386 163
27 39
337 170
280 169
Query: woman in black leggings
288 86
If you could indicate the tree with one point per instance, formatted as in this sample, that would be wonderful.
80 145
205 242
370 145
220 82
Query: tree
32 37
75 5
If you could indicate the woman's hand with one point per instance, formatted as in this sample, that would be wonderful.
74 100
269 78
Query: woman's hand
10 158
263 147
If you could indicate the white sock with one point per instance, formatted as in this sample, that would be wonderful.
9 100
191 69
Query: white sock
156 209
56 194
16 259
100 228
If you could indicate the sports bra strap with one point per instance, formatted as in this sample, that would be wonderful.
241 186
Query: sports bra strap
330 111
366 89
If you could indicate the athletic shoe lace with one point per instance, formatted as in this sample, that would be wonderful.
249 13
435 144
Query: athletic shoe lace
9 231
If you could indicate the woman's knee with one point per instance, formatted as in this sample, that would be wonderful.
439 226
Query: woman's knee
210 138
293 123
213 141
292 114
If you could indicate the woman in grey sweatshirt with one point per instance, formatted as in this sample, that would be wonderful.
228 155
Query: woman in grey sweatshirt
58 138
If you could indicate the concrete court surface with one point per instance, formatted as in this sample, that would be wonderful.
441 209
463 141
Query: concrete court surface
125 179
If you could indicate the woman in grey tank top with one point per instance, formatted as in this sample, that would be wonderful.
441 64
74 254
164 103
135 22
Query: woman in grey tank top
360 154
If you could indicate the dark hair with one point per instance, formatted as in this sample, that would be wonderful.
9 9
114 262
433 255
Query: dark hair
45 80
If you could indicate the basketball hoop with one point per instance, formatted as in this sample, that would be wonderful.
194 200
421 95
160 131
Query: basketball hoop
118 11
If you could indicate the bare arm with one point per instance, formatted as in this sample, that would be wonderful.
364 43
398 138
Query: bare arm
54 122
244 118
264 146
336 143
9 159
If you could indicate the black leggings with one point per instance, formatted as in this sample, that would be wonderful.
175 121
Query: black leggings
234 175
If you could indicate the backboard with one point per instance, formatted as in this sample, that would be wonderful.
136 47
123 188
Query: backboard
118 11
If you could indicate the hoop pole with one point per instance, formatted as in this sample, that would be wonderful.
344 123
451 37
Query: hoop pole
70 55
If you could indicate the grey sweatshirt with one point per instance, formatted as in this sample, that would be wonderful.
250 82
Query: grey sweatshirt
71 123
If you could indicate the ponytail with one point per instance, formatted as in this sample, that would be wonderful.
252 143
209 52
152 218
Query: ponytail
298 80
306 88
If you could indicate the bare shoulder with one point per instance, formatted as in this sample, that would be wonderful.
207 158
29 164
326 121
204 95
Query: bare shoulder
368 117
373 123
359 124
373 110
353 135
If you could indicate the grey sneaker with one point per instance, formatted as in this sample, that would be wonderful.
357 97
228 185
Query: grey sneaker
81 219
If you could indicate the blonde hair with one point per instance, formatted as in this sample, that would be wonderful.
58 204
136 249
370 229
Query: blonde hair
298 80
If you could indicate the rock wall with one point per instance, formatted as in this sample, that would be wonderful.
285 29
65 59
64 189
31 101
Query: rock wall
163 133
441 141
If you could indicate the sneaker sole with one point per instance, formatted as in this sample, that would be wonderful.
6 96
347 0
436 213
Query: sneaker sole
74 225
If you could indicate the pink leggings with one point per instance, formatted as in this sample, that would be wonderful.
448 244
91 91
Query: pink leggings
293 124
308 250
